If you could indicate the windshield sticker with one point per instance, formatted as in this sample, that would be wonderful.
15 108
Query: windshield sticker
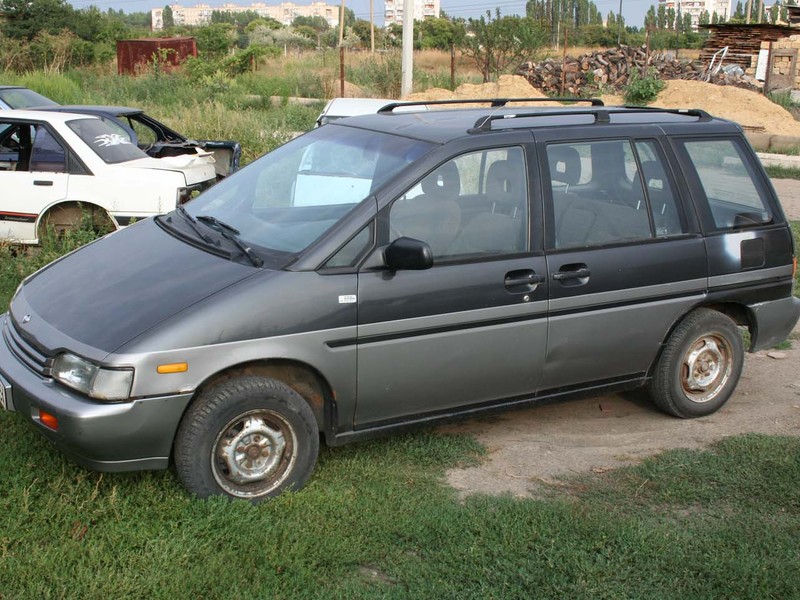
110 139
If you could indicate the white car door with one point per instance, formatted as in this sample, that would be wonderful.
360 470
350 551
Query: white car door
32 177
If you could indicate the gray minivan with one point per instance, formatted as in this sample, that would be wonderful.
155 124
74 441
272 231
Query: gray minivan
404 268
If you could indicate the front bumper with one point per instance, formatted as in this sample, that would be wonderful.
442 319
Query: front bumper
129 436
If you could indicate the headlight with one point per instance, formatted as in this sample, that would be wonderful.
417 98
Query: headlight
94 381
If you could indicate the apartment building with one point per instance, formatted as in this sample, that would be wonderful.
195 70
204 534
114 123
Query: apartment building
723 8
423 9
285 12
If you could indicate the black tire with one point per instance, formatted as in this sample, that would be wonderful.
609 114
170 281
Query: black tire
700 366
248 437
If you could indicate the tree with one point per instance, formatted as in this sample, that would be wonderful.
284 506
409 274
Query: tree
24 19
704 18
316 23
661 17
167 18
215 40
494 44
650 18
439 33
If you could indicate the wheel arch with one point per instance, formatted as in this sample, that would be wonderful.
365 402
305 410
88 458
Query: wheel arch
76 204
738 313
304 379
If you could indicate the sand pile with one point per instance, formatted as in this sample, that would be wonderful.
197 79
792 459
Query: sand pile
751 110
508 86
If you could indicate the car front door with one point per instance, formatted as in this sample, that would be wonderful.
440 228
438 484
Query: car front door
32 175
624 258
472 329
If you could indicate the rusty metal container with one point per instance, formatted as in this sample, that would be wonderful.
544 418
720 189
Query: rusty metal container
135 55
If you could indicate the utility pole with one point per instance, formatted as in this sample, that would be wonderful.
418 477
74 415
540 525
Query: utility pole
341 51
372 26
749 10
619 25
407 63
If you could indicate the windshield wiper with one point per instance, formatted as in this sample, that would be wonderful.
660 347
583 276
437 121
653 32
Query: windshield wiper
193 224
231 233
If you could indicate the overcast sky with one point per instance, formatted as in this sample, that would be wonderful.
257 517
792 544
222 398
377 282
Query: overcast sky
632 10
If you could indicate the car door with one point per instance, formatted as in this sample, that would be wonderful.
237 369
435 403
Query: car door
472 329
33 176
625 260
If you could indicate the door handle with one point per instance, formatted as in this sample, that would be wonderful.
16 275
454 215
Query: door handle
567 273
44 182
524 280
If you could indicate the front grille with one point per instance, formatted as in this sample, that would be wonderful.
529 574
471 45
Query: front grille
27 353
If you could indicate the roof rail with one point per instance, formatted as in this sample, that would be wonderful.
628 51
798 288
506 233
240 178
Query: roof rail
495 102
602 116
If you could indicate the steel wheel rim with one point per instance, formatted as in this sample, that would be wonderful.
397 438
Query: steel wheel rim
254 453
706 368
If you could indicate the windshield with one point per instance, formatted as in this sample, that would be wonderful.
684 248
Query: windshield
289 198
24 98
107 143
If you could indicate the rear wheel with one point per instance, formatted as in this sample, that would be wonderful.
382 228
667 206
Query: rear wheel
72 216
700 366
248 437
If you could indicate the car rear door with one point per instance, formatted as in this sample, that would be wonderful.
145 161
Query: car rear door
624 258
472 329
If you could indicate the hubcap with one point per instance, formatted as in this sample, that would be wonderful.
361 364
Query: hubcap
253 454
706 368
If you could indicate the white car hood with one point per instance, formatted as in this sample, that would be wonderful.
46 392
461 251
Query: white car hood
197 168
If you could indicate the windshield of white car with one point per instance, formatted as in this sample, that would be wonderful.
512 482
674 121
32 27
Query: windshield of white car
289 198
107 143
24 98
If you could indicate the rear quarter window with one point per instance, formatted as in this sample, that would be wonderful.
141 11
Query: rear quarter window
732 195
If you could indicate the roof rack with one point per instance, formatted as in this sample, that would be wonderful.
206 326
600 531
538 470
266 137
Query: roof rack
602 116
495 102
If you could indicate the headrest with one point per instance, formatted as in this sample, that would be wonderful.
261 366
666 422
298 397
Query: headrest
444 180
505 182
565 164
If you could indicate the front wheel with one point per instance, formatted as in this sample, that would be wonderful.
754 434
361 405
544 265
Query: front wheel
247 437
700 365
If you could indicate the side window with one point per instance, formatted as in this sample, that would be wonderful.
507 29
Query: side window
473 206
349 254
663 203
48 154
16 141
146 136
597 194
727 178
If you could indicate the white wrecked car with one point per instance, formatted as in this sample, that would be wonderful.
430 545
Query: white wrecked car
56 167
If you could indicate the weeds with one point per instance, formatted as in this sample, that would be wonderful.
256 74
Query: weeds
643 90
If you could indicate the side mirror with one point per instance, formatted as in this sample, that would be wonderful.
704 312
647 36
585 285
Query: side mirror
408 254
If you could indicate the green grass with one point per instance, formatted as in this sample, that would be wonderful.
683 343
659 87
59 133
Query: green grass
776 172
376 520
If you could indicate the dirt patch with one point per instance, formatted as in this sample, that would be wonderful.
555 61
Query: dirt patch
540 445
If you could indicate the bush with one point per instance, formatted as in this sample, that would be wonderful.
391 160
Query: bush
643 90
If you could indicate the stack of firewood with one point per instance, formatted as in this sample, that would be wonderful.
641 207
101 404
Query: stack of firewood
612 70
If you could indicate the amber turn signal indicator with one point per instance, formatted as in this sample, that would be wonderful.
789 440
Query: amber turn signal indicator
48 420
173 368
